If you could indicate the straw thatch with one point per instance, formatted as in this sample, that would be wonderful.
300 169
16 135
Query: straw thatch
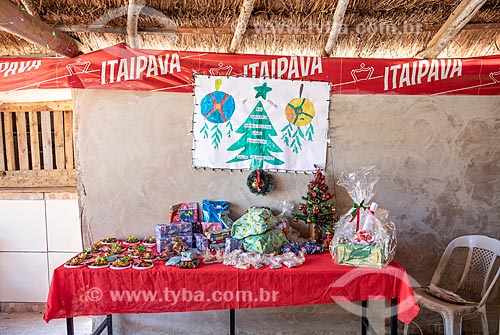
301 27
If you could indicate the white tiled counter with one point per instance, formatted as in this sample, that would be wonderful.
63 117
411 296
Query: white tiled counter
38 232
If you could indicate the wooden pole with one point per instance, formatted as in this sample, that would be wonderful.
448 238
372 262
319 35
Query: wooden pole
134 10
241 25
338 18
457 20
18 22
82 28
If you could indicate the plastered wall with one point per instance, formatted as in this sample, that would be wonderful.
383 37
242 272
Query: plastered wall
438 157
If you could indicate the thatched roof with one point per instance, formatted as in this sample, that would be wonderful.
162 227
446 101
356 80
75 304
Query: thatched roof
304 26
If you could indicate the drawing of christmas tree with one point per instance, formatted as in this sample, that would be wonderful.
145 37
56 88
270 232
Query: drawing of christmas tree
256 142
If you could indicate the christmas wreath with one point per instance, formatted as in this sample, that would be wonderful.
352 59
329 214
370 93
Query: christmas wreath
260 182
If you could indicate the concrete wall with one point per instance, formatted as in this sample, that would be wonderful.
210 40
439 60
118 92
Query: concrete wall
438 157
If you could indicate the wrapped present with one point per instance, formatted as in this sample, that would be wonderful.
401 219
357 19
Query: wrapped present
167 229
197 228
202 243
219 236
167 243
360 255
365 236
217 246
308 247
211 226
254 222
217 211
266 243
233 244
184 212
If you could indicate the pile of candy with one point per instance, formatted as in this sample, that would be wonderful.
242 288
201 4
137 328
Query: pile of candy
245 260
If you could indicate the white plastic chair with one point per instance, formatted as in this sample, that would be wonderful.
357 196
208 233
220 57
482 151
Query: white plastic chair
483 251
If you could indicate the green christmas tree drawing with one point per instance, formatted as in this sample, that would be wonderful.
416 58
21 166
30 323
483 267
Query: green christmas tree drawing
256 141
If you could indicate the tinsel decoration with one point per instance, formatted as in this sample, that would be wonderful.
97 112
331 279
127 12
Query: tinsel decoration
260 182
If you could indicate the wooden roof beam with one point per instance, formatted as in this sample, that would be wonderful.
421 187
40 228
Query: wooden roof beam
457 20
134 10
17 21
338 18
241 25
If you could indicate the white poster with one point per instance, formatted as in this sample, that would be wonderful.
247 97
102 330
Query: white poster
256 123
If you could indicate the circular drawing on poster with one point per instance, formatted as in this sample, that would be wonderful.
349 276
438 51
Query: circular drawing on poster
299 112
217 107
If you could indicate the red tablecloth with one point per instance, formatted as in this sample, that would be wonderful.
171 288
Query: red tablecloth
84 291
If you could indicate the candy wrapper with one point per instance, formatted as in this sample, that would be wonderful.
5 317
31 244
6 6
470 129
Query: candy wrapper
217 211
167 229
365 236
184 212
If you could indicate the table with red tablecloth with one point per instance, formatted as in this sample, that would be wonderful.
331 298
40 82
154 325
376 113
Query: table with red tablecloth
84 291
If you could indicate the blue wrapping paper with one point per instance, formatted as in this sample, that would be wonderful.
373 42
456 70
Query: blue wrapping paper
202 243
167 229
216 211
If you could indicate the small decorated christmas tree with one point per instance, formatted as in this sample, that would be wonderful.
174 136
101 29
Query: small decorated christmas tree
317 210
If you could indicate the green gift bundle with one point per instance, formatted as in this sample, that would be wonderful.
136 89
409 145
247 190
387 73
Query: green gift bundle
257 229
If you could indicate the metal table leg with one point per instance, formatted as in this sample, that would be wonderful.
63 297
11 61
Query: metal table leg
232 322
106 323
394 316
70 329
364 320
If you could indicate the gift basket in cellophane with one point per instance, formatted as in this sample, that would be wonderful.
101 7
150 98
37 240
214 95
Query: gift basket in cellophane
365 236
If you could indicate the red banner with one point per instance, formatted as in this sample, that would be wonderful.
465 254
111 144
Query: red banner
122 68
